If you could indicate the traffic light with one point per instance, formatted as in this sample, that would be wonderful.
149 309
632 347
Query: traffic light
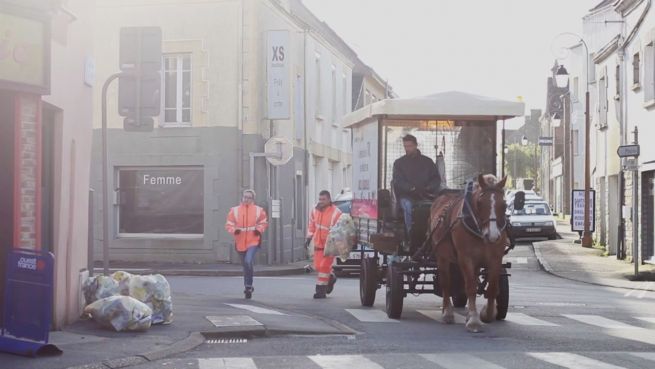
139 88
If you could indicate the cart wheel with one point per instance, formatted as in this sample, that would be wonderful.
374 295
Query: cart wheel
368 281
502 300
395 292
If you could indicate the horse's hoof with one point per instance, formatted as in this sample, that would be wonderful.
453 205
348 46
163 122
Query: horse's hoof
448 318
486 317
473 326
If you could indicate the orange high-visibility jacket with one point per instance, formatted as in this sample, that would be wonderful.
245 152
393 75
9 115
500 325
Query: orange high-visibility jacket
320 223
247 219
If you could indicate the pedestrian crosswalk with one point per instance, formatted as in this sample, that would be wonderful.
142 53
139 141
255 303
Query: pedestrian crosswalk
445 360
639 323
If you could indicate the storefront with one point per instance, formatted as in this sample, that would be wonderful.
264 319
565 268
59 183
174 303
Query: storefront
24 77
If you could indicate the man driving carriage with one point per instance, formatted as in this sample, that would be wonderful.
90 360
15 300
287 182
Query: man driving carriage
415 178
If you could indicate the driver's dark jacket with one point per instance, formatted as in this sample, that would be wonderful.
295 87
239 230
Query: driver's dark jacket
417 172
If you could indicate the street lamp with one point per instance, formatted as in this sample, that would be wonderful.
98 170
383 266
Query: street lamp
562 80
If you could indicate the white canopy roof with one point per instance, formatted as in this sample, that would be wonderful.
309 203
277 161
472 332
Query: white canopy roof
451 105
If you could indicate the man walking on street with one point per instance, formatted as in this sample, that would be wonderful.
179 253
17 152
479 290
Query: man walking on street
323 217
247 222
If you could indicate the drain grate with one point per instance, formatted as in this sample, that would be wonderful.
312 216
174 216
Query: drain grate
226 340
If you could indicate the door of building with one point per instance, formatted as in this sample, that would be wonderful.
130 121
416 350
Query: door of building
614 206
7 134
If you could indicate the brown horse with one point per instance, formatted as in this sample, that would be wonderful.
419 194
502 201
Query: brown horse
471 250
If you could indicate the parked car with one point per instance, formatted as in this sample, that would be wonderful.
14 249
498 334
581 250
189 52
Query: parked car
534 220
530 195
344 201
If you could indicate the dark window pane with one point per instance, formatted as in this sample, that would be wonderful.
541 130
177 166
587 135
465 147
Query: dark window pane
170 90
166 201
186 62
170 116
170 63
186 90
186 115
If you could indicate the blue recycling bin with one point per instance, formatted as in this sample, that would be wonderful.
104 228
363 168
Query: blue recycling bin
28 299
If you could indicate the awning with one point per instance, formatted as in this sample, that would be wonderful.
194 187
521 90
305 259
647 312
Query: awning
450 105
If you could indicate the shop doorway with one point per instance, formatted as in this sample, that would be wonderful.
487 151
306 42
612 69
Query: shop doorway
7 127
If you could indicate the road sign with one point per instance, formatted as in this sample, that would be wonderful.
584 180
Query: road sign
279 150
578 205
630 164
626 151
143 124
545 141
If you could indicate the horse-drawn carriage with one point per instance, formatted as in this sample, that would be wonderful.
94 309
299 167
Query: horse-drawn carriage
459 132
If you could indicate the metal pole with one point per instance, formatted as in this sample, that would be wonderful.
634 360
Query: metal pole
91 236
586 235
635 210
502 148
105 177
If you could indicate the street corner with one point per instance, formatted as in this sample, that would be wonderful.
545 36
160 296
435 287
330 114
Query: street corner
247 319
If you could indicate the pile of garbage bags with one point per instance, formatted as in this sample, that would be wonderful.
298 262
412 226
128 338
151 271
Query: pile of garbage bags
126 301
342 238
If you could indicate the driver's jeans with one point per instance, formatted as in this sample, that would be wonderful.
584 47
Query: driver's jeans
407 204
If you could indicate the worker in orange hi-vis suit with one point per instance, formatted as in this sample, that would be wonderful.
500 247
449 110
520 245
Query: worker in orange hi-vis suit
323 217
247 222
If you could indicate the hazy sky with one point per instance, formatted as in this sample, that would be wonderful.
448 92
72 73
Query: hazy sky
499 48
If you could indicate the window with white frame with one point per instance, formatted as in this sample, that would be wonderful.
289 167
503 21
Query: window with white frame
602 102
344 94
317 82
617 81
635 69
334 94
177 90
649 73
576 84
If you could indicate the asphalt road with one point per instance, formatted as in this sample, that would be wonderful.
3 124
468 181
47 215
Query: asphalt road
552 323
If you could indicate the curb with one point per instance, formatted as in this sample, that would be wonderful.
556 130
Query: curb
548 269
209 272
194 340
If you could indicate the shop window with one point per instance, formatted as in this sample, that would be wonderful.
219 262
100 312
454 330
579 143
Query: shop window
161 200
177 90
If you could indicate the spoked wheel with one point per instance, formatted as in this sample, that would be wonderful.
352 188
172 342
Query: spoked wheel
368 281
395 292
502 300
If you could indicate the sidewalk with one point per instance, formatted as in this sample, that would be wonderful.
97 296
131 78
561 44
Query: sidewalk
202 310
209 270
569 260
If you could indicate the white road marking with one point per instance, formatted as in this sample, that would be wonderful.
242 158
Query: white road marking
256 309
629 293
459 361
647 319
639 334
600 321
518 259
436 315
644 355
344 361
572 361
227 363
371 316
524 319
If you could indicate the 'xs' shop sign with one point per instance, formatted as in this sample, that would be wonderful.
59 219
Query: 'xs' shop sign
277 72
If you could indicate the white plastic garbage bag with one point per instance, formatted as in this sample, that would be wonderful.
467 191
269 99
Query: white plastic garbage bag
99 287
341 238
121 313
154 291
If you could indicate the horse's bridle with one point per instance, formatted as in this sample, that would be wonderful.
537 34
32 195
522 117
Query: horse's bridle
492 214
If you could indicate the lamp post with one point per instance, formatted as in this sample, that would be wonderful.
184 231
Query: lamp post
562 81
